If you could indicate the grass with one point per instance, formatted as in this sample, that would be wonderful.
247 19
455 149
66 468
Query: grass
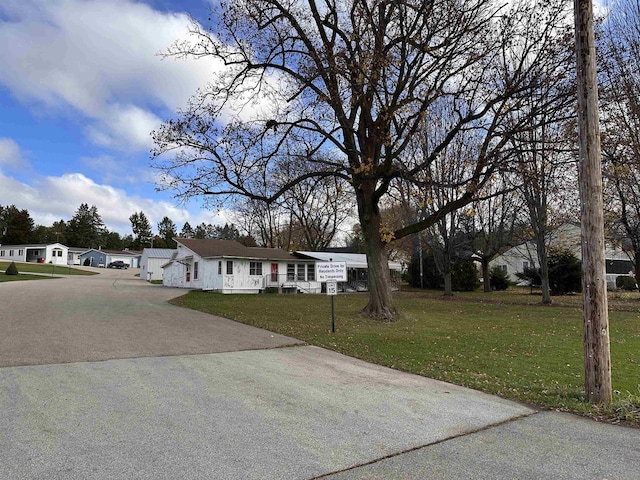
46 268
21 276
484 341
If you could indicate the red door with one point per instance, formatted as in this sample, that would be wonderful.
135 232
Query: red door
274 272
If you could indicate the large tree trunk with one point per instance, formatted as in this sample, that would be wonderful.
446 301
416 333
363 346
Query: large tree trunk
448 291
543 258
486 275
380 304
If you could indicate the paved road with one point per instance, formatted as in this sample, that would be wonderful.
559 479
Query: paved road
102 379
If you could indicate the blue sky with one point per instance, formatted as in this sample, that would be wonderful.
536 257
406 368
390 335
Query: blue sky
81 87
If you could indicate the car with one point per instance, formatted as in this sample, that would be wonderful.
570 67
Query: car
118 264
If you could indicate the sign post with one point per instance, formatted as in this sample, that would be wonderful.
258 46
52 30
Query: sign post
331 273
332 291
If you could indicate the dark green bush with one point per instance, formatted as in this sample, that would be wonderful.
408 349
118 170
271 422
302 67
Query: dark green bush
531 276
498 279
431 279
11 269
464 277
565 272
625 282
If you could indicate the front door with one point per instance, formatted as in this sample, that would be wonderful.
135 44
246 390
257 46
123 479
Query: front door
274 273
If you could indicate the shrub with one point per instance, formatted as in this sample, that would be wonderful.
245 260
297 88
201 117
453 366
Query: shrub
498 278
531 276
431 277
625 282
464 277
11 269
565 272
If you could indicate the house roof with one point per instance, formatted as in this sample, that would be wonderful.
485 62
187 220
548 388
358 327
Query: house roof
32 245
230 248
158 252
353 260
130 253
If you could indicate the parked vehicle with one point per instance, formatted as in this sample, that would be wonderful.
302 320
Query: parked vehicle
118 264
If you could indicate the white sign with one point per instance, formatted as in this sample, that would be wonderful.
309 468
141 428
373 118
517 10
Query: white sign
328 271
332 288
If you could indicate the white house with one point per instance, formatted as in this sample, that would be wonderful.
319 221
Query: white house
55 253
565 237
228 266
151 262
73 257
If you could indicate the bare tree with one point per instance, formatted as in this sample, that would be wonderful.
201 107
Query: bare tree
620 86
545 156
497 215
356 79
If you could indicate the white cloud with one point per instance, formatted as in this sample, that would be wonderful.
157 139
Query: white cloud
54 198
124 126
99 58
11 156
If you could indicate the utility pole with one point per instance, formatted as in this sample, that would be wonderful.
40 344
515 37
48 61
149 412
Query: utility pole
597 359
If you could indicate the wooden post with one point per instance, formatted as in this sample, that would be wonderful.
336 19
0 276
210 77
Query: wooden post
597 360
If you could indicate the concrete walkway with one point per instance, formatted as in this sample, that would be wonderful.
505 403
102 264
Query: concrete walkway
102 379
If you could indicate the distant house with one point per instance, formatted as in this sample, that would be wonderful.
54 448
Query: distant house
102 258
54 253
228 266
73 256
151 262
565 237
357 268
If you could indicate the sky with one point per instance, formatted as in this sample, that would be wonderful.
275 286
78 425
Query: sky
82 85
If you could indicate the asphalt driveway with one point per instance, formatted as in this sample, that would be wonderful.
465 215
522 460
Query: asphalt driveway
100 378
108 316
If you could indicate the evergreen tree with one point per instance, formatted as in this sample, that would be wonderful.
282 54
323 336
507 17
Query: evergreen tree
86 229
187 231
16 226
112 241
141 230
167 231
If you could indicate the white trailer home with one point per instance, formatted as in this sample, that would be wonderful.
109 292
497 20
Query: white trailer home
228 266
54 253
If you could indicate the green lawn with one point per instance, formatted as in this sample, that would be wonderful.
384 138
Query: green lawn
21 276
45 268
502 343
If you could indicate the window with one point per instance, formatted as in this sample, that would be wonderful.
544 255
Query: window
291 271
1 253
311 272
525 265
20 252
195 270
503 268
255 268
11 253
229 267
300 271
219 267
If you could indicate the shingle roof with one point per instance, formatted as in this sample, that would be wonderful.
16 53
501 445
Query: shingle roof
230 248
